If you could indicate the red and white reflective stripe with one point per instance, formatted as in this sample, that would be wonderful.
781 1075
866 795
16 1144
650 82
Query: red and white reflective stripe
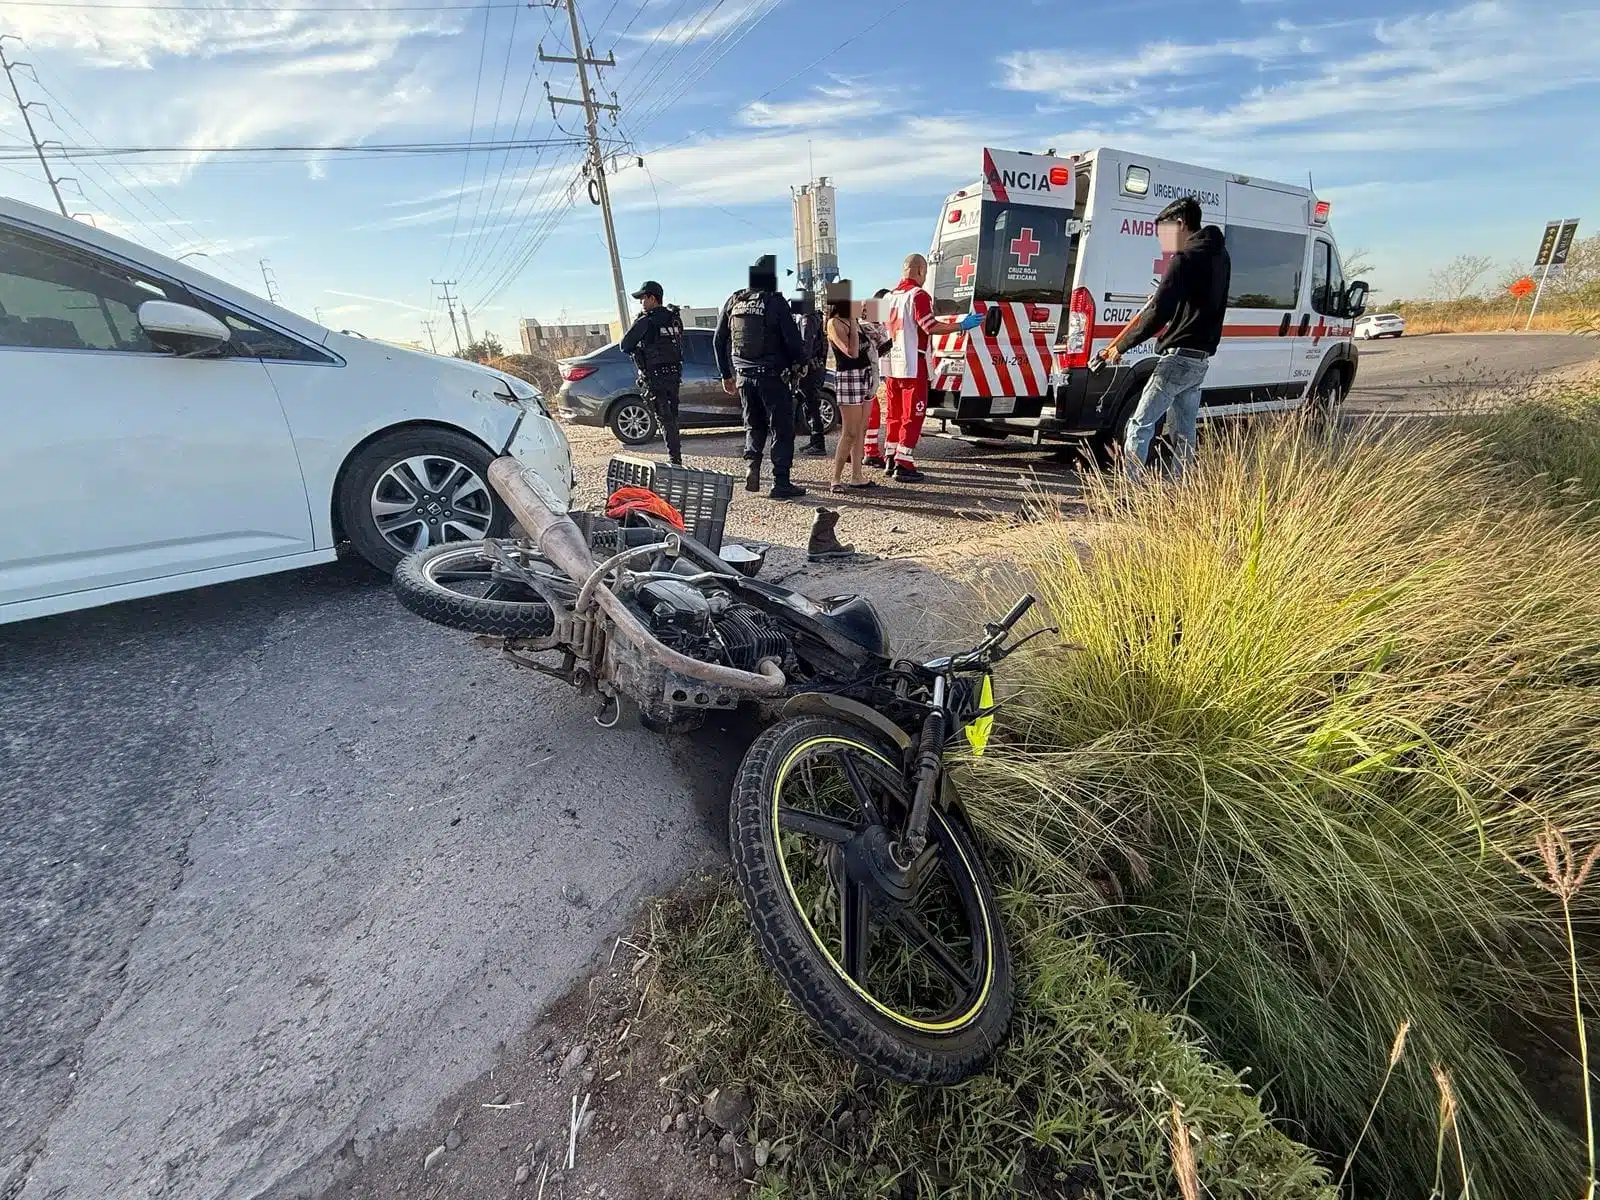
994 178
1017 360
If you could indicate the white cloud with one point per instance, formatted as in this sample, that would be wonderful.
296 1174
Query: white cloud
384 301
701 28
835 103
1090 77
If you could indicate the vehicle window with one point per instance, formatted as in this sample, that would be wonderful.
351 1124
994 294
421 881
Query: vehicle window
1026 253
251 340
697 349
1267 266
1327 280
955 275
53 297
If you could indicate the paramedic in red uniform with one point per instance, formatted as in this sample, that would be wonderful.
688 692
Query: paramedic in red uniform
1187 310
911 325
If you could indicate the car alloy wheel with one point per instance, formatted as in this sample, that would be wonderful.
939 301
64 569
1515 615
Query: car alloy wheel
428 499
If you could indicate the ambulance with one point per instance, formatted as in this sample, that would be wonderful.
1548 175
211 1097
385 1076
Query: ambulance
1059 254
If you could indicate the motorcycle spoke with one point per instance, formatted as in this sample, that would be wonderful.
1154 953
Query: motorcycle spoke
855 928
869 806
800 820
924 938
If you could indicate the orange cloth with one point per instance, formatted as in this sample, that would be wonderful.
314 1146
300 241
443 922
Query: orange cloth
637 499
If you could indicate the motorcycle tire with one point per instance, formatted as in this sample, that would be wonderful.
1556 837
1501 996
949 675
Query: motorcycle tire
901 1047
503 609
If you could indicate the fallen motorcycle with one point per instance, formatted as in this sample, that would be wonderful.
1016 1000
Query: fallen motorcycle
866 890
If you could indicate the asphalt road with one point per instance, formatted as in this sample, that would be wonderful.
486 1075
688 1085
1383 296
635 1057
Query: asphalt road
1417 373
283 865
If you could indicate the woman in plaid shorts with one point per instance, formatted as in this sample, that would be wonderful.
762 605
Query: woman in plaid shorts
851 371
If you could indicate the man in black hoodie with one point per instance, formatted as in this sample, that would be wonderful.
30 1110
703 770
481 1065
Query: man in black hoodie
1187 309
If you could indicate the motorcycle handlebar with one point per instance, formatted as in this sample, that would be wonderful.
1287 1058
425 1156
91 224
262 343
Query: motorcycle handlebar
1018 611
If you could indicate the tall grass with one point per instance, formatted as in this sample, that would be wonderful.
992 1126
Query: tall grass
1548 436
1092 1095
1322 680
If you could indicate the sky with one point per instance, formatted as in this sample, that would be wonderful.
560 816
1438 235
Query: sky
1435 129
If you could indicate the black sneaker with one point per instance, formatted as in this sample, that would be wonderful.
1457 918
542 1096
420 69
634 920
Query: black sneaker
784 490
816 448
752 478
904 474
874 461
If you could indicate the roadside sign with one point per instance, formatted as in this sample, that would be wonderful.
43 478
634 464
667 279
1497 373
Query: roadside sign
1554 247
1547 245
1522 288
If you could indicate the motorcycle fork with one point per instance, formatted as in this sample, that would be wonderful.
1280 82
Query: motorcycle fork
928 767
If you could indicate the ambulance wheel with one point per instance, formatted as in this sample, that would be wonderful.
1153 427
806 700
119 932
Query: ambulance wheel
1327 397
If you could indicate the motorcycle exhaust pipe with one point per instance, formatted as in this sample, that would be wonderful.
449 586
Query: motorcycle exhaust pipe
562 542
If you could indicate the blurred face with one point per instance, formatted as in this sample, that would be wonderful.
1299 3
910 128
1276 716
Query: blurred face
1171 235
647 302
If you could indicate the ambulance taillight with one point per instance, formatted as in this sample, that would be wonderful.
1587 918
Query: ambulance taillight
1319 214
1080 329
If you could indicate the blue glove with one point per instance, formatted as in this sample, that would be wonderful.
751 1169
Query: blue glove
970 321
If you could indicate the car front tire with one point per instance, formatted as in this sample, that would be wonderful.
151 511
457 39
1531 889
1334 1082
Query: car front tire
415 488
633 422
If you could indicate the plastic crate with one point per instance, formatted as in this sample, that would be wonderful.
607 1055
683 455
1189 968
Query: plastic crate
701 496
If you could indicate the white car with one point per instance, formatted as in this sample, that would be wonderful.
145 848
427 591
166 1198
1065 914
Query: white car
164 430
1380 325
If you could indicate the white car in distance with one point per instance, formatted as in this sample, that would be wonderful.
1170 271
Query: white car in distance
165 430
1377 325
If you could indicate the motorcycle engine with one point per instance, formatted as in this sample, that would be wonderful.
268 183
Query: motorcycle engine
711 625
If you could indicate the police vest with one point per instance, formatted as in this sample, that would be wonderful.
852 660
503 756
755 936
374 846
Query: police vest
663 344
749 334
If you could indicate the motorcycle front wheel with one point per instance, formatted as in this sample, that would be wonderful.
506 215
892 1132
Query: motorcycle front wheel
466 585
916 988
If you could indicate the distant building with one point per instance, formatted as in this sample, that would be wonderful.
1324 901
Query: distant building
693 318
538 336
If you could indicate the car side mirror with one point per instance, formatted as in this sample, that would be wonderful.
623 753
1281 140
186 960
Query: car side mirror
1355 299
181 328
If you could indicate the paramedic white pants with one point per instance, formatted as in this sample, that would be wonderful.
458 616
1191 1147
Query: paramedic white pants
1172 389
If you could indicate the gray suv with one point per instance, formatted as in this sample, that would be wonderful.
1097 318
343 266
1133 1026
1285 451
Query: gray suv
602 388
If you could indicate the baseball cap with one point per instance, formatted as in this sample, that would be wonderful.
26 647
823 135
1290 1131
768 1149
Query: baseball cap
650 288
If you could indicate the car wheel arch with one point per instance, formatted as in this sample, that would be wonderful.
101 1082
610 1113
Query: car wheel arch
354 452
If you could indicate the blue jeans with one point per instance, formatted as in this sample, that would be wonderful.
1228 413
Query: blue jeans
1173 386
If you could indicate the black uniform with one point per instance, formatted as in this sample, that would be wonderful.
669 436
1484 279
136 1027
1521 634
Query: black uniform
655 342
757 341
809 388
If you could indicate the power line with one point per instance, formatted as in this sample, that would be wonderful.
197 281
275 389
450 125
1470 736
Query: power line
225 10
372 149
494 128
472 128
450 303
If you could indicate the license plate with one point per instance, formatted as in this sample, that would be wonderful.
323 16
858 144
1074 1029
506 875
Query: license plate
1002 406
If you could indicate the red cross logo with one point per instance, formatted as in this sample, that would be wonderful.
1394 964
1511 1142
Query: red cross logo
1317 331
966 269
1160 265
895 324
1024 247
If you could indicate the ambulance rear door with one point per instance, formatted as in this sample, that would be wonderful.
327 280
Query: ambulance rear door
952 266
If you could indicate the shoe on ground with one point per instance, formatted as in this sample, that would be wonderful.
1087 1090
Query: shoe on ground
816 448
905 474
675 462
752 478
874 461
824 543
785 490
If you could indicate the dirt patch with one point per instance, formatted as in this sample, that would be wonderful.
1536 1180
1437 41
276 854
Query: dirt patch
645 1131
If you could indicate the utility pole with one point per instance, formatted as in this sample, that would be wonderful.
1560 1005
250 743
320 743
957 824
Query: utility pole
38 148
596 163
450 303
467 321
270 278
427 328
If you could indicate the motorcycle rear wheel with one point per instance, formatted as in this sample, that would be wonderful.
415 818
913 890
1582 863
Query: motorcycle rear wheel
918 992
464 585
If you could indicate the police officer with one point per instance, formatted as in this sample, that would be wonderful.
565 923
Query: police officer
757 341
655 342
808 391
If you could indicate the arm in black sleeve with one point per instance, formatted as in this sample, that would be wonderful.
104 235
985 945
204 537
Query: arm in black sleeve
778 315
1161 308
722 342
635 335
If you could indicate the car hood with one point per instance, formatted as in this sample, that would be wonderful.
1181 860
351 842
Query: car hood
471 375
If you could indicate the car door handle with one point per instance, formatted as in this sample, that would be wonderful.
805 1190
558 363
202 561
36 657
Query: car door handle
1305 324
1283 326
